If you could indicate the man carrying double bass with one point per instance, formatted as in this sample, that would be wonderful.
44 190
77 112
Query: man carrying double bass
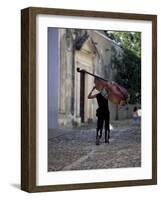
107 91
114 93
102 111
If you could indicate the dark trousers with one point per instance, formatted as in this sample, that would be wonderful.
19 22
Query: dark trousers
103 120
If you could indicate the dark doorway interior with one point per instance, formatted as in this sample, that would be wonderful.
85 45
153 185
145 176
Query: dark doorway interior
82 95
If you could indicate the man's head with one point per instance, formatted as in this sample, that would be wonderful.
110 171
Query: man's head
98 83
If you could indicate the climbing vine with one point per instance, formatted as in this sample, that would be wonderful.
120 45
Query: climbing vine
129 66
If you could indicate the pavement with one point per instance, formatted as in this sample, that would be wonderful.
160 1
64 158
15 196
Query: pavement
75 148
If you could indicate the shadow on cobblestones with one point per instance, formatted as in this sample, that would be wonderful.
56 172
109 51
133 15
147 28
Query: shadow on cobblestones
75 149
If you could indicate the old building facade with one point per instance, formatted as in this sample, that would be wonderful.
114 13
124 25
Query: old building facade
85 49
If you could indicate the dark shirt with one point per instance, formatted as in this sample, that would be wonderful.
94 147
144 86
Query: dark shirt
103 108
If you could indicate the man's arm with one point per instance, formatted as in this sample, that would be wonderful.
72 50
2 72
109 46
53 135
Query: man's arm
90 96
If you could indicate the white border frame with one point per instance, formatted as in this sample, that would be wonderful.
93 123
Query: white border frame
43 177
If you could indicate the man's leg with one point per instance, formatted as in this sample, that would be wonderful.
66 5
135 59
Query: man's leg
101 127
107 129
97 131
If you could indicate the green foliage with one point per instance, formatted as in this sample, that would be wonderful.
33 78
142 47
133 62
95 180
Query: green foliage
129 66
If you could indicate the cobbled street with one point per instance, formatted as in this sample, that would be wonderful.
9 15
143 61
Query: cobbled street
75 149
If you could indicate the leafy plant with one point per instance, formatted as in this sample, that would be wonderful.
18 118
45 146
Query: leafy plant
129 66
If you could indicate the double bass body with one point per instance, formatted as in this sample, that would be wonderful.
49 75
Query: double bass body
110 90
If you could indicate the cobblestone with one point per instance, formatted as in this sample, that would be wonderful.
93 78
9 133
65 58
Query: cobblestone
75 149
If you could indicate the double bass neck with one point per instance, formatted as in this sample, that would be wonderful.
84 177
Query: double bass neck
84 71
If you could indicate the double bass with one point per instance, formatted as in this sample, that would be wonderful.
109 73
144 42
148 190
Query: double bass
110 90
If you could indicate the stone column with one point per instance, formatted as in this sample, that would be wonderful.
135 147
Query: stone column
76 114
67 77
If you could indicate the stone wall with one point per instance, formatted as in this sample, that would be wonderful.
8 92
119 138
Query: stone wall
93 51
